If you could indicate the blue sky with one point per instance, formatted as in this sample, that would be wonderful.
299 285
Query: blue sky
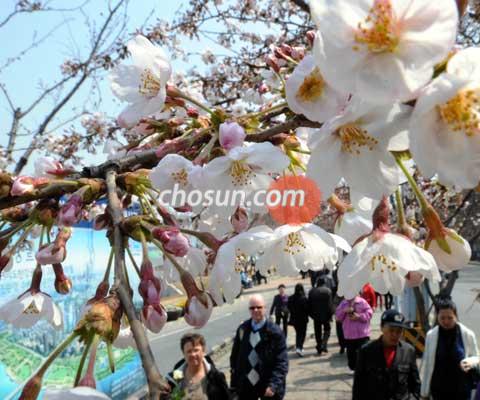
70 38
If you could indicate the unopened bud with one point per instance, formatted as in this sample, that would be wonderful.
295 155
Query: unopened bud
62 284
311 37
192 112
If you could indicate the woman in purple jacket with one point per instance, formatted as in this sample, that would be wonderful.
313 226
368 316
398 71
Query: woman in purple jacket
355 315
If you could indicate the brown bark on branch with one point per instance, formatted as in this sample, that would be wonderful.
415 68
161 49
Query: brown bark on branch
157 385
296 122
52 190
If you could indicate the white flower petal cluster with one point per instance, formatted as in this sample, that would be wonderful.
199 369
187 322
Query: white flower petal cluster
446 121
26 310
355 146
142 83
382 50
290 249
384 263
307 92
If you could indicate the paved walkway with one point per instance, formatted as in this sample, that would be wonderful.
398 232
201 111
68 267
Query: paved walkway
313 377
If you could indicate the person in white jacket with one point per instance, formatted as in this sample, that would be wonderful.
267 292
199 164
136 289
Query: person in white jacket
444 371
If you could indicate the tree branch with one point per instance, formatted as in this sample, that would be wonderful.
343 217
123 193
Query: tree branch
41 130
156 383
301 3
295 122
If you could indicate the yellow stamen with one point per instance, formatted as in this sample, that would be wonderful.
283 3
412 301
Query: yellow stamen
378 32
240 261
294 244
149 84
180 177
353 137
312 87
32 309
241 173
462 112
383 262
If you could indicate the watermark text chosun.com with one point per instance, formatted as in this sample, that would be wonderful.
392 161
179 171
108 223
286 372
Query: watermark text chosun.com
232 198
289 199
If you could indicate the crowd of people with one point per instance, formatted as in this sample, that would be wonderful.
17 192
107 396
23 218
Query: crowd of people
384 368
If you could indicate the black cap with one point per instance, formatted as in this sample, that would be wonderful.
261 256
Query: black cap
393 318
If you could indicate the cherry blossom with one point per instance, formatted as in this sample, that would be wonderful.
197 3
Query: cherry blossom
384 260
290 249
307 92
446 120
383 50
355 146
142 84
31 307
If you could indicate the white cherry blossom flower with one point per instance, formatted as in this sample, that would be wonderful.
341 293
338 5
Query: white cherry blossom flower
384 263
455 256
197 314
142 84
290 249
48 167
355 146
384 260
32 306
214 222
174 171
446 121
230 260
307 92
195 262
247 169
383 50
355 220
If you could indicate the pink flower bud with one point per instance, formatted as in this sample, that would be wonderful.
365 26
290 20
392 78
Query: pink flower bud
298 53
71 212
231 135
173 240
150 287
192 112
239 220
62 284
197 314
48 167
263 88
50 254
311 37
381 215
286 49
273 62
154 317
23 185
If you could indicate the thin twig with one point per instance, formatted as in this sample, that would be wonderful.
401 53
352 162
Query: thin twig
156 383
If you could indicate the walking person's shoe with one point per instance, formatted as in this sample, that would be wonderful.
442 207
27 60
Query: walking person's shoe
299 352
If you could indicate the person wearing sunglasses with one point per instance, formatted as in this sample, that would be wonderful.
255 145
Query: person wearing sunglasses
259 361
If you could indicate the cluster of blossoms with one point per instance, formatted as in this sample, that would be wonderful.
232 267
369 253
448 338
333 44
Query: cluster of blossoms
386 92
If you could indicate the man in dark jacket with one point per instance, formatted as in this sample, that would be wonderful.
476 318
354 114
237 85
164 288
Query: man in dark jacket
320 308
280 308
259 361
386 368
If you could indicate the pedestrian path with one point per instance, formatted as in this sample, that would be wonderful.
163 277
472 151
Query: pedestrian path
314 377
